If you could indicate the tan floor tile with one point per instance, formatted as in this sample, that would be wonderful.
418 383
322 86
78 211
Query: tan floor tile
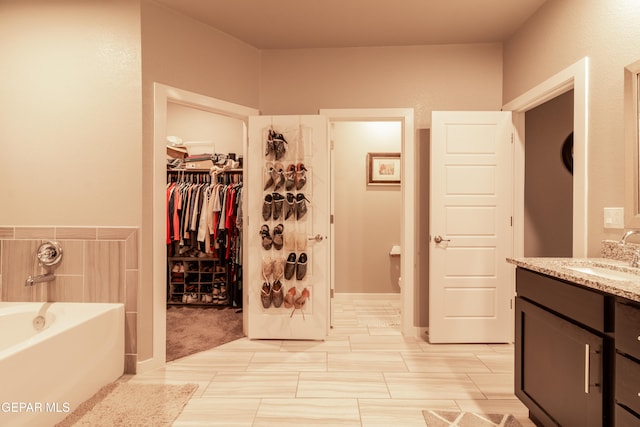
498 361
399 412
284 361
335 385
454 348
308 412
383 343
495 386
366 362
331 343
253 384
245 344
444 362
420 385
215 411
212 360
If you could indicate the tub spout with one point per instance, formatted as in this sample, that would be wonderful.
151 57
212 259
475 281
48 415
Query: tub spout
39 279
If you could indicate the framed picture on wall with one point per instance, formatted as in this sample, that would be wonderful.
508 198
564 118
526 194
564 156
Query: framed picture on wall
383 168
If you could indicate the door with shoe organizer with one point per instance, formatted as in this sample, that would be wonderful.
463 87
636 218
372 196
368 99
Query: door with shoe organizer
287 285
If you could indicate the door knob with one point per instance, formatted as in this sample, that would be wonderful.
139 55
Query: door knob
439 239
317 238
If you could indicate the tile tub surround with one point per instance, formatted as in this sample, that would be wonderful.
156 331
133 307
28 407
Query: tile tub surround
559 268
99 264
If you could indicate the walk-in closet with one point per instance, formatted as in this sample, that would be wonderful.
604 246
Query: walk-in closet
204 231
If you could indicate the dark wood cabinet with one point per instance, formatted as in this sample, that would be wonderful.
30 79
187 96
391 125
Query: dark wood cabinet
627 383
563 351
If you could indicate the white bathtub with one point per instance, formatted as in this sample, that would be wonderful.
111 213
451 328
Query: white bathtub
46 374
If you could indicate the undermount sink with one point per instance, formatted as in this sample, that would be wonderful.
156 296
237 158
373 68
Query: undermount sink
606 273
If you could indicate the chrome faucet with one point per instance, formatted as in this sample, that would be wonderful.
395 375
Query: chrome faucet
31 280
623 240
49 255
635 260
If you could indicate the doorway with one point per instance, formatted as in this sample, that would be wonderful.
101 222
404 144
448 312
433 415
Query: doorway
367 215
410 305
573 78
548 192
204 278
157 305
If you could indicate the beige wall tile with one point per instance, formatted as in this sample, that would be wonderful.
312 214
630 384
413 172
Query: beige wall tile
115 233
7 232
18 259
104 271
132 251
72 257
131 298
130 364
66 289
80 233
130 333
35 233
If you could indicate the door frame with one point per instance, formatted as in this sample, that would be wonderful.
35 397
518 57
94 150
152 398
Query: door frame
162 95
408 285
574 77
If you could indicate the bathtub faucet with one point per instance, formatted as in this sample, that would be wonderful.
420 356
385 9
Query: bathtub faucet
39 279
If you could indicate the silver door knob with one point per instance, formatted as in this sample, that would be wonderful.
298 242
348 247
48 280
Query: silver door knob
317 238
439 239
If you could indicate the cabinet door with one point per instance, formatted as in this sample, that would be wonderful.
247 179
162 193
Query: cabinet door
558 368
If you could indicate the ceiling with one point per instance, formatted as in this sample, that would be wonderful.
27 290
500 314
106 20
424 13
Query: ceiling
289 24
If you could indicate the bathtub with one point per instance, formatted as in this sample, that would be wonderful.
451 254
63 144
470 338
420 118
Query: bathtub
54 356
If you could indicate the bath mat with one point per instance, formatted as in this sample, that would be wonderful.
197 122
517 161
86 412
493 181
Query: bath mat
131 405
468 419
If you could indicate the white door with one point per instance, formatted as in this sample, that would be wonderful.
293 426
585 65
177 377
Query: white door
470 283
287 280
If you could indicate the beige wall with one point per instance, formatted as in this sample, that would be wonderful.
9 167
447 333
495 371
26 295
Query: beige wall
562 32
367 217
426 78
70 113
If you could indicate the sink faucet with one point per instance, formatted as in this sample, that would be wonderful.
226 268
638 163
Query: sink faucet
635 260
628 234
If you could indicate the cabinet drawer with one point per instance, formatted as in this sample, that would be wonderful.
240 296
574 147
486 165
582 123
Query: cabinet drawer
625 418
628 329
627 383
575 302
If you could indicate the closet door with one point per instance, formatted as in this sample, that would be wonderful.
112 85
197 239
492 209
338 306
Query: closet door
286 281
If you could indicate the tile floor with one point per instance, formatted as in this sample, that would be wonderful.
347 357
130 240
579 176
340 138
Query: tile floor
364 374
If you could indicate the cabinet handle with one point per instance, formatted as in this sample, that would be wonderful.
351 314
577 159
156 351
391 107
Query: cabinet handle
586 368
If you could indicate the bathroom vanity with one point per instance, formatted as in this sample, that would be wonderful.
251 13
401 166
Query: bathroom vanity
577 341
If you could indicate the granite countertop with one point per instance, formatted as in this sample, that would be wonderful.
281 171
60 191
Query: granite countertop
560 268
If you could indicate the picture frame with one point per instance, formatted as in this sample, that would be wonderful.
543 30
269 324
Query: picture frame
383 168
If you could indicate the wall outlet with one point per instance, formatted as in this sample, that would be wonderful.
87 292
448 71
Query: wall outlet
613 217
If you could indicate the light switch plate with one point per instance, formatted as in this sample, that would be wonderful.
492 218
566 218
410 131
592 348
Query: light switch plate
613 217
